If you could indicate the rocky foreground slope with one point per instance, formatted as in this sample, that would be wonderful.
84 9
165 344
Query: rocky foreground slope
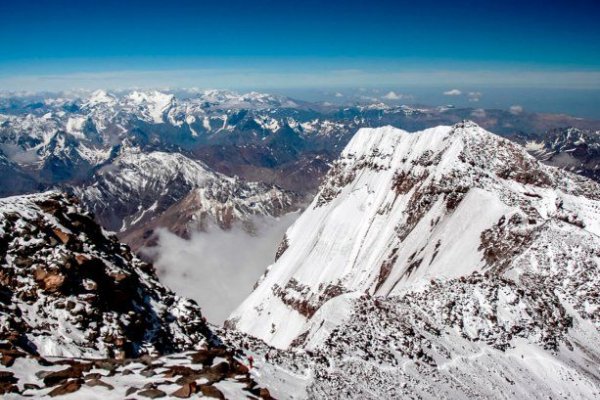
446 263
81 314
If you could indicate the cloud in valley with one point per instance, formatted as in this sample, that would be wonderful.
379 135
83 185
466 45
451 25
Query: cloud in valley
218 268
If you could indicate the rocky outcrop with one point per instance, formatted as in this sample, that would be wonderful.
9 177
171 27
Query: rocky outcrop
69 288
214 372
81 314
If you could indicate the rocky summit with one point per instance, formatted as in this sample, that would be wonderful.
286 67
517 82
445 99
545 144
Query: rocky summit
80 314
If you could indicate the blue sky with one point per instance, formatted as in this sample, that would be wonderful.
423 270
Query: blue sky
61 43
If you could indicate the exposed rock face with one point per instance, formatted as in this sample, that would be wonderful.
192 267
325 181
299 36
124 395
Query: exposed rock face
440 263
68 288
572 149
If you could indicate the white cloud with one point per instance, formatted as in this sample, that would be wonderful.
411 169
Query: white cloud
478 113
369 98
453 92
474 96
218 268
338 94
392 96
516 109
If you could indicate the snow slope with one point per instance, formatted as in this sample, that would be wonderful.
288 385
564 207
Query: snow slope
427 264
399 209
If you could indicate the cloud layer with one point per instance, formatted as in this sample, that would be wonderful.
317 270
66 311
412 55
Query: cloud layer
218 268
452 92
258 78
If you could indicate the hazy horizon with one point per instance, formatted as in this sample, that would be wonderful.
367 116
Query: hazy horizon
541 56
580 103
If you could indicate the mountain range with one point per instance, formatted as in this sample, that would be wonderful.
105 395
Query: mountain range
445 262
220 157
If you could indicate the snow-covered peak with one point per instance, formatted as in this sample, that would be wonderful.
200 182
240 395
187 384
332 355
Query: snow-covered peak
100 97
153 96
153 104
150 167
399 209
139 191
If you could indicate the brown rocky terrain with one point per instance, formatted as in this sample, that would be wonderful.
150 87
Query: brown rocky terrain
80 313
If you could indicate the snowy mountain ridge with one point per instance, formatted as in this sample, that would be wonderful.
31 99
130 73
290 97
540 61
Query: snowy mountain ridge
140 191
398 209
427 264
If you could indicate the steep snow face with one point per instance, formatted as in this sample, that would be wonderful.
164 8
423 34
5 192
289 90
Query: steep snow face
70 289
399 209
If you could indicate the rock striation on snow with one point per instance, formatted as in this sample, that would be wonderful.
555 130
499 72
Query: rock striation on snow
442 263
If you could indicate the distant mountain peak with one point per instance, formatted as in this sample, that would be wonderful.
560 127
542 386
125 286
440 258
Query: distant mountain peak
100 97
